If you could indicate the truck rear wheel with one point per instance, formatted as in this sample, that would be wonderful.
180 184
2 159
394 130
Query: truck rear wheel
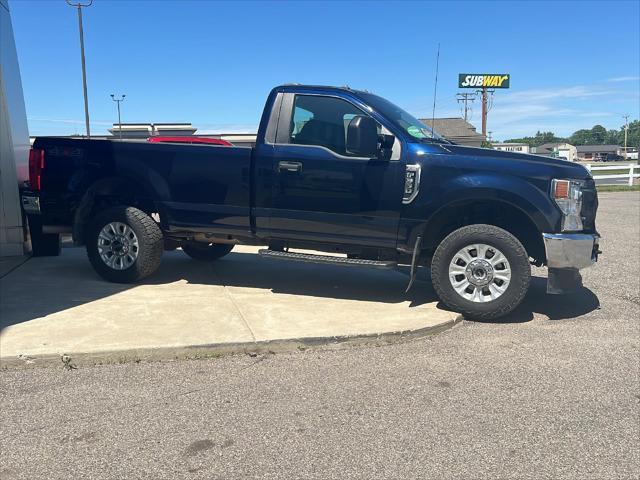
124 244
481 271
43 244
206 252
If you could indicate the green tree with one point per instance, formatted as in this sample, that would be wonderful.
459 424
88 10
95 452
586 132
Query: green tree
614 137
633 137
597 135
539 139
580 137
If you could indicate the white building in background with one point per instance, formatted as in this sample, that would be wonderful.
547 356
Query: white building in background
558 150
631 153
14 140
512 147
146 130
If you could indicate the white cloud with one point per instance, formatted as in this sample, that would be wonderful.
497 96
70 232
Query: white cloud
561 110
623 79
67 121
211 129
545 94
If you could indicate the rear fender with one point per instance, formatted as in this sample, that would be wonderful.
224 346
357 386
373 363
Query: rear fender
116 187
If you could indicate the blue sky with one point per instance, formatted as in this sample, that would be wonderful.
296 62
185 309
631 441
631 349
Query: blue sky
572 64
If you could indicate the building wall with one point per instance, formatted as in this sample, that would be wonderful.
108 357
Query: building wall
14 140
568 151
598 154
506 147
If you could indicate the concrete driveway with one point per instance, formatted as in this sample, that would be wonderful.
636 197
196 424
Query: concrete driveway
58 305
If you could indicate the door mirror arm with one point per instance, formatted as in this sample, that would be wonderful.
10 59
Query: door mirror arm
385 146
386 141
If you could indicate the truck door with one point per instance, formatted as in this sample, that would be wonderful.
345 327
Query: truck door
322 192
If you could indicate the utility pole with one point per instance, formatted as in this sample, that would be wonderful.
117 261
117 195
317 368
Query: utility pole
484 112
466 98
626 132
79 6
485 108
113 97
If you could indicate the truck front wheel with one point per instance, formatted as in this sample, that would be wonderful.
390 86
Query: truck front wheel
124 244
206 252
481 271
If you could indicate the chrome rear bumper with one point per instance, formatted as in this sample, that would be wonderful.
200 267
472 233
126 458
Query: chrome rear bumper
31 204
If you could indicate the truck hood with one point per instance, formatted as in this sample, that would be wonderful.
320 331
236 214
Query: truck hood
488 156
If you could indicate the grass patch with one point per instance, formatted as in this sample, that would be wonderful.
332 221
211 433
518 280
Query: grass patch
611 172
618 188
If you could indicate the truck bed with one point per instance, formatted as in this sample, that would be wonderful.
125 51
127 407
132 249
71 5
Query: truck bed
204 186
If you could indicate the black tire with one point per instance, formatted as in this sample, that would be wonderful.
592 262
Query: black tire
495 237
206 252
43 244
149 249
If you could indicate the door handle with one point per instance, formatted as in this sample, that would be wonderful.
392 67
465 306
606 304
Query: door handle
290 166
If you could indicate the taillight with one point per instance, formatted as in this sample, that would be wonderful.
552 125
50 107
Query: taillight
36 164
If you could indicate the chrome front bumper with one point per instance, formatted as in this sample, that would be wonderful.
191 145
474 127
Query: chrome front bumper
567 253
571 250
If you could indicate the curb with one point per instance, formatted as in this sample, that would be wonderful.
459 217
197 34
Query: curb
215 350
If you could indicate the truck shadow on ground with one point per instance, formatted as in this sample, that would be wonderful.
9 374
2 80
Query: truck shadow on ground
69 281
556 307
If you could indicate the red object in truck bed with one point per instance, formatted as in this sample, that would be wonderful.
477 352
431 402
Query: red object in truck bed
205 140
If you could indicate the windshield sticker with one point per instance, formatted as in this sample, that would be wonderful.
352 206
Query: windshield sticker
416 132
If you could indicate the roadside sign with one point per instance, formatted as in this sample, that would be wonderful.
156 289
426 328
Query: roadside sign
483 80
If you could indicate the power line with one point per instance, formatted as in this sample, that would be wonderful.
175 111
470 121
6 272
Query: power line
626 133
466 98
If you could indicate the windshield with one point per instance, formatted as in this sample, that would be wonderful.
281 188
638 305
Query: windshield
401 119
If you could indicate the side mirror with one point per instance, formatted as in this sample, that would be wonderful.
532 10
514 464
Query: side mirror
362 137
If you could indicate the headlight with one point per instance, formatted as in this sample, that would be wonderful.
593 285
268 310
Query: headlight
568 196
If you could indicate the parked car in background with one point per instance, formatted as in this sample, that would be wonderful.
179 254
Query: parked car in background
613 157
335 170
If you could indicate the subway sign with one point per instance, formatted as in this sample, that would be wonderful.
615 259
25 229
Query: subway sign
483 80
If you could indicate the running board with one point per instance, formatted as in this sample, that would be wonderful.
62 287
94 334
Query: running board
325 259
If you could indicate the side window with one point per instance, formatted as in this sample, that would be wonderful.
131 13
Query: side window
322 121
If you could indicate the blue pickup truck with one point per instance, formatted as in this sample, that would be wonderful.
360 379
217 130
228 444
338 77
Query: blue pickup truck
333 170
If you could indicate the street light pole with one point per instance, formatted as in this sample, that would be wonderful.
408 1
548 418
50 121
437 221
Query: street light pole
626 131
79 6
113 97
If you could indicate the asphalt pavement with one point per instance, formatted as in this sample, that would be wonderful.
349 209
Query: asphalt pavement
552 391
612 181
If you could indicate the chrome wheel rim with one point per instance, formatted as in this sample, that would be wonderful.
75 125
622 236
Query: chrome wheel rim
118 245
480 273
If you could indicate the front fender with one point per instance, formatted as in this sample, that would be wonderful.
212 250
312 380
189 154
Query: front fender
515 191
438 193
